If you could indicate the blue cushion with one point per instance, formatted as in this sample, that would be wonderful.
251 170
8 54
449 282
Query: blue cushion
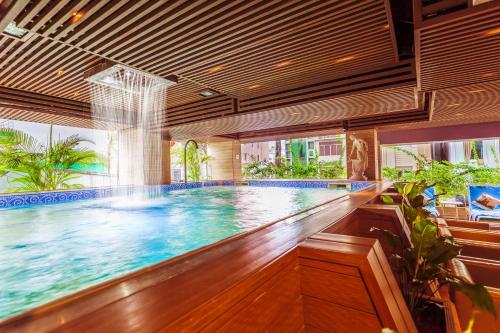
475 191
429 194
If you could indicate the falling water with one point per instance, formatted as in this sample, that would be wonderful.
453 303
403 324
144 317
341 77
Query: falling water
132 102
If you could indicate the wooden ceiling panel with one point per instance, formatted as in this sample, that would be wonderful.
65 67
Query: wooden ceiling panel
188 37
477 103
184 92
311 52
55 119
468 102
48 67
354 106
280 63
459 49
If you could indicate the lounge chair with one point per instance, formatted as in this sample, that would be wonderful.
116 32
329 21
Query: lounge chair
477 211
429 194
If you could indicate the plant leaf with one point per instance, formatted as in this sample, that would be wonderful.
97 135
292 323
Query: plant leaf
393 240
423 237
478 295
444 250
387 199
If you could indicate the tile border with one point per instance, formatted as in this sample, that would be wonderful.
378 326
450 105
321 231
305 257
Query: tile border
54 197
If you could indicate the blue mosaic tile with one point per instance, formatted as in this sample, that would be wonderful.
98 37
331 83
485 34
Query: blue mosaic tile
356 186
42 198
289 183
17 200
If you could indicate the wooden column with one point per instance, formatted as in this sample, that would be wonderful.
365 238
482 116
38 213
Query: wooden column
165 162
225 160
370 136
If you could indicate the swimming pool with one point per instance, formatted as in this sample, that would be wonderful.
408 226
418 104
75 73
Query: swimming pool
49 251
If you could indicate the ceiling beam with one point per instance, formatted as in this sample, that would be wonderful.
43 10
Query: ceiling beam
9 9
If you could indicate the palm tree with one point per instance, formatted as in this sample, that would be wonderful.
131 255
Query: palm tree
37 167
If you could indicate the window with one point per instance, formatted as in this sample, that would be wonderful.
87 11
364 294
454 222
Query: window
330 148
310 144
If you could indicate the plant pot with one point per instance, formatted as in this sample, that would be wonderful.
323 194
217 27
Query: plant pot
440 316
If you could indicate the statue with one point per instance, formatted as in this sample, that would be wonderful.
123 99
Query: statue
360 161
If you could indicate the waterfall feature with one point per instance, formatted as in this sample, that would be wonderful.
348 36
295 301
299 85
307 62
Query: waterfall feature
132 103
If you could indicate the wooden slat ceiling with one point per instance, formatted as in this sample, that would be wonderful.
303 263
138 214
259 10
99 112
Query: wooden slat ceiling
353 106
477 103
38 117
272 64
239 49
188 38
377 80
459 49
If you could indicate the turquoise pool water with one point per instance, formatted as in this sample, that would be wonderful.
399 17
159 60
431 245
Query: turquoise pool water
51 251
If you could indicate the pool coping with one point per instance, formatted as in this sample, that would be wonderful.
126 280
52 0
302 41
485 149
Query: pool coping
19 200
101 287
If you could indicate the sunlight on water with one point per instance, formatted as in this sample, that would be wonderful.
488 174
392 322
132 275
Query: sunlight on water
50 251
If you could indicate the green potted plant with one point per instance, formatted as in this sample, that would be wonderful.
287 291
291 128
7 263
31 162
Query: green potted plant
420 265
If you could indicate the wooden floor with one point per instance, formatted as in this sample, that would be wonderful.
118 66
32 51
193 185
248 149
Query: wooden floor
163 296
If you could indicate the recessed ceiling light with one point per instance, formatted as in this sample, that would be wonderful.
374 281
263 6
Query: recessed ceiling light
452 105
476 91
294 113
209 127
77 16
459 114
255 86
60 72
215 69
344 59
316 117
283 63
14 31
207 93
387 26
76 94
492 32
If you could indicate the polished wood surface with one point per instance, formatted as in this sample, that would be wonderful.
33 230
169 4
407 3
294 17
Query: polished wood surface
471 224
322 308
475 234
359 223
485 272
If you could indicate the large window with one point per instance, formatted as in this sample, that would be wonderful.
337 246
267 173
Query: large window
330 148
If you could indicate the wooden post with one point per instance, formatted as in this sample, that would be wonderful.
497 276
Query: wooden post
165 161
370 136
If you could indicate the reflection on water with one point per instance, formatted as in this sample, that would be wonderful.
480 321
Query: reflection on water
50 251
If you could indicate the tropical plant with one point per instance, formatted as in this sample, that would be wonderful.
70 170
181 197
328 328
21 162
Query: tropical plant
424 261
330 170
413 202
313 169
196 158
450 179
33 166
